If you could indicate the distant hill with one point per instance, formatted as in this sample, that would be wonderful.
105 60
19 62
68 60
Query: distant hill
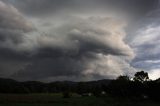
13 86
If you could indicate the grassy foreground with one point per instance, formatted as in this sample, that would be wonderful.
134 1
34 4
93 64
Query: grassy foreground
58 100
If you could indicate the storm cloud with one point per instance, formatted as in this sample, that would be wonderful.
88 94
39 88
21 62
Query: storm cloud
147 49
84 48
70 40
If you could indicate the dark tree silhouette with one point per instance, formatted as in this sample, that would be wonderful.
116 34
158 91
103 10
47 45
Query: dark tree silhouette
138 89
120 86
141 76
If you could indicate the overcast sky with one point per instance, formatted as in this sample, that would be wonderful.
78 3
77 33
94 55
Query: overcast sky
50 40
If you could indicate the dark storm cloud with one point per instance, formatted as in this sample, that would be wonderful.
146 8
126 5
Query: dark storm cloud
78 51
50 67
11 18
54 40
146 43
11 61
43 7
13 25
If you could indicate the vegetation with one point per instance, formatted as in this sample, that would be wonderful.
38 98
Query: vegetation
57 99
121 91
141 76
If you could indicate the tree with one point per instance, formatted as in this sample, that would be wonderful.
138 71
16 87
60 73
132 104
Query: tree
141 76
120 87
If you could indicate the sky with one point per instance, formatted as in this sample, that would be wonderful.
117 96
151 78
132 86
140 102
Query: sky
79 40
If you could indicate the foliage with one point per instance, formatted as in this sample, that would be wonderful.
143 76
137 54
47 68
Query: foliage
141 76
55 99
139 88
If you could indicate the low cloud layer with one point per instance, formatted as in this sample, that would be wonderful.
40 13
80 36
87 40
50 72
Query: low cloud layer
85 48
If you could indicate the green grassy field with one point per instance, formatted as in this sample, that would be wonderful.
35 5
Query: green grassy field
58 100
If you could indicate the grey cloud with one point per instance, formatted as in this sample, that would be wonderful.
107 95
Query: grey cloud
13 25
80 48
146 43
11 18
135 8
11 61
38 7
61 43
50 67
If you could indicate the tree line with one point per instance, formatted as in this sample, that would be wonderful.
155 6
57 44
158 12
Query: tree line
140 86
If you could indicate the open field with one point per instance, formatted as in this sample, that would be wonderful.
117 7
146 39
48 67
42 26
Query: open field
58 100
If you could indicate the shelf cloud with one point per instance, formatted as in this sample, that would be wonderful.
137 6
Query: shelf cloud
74 40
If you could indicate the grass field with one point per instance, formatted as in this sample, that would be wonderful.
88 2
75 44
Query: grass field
75 100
